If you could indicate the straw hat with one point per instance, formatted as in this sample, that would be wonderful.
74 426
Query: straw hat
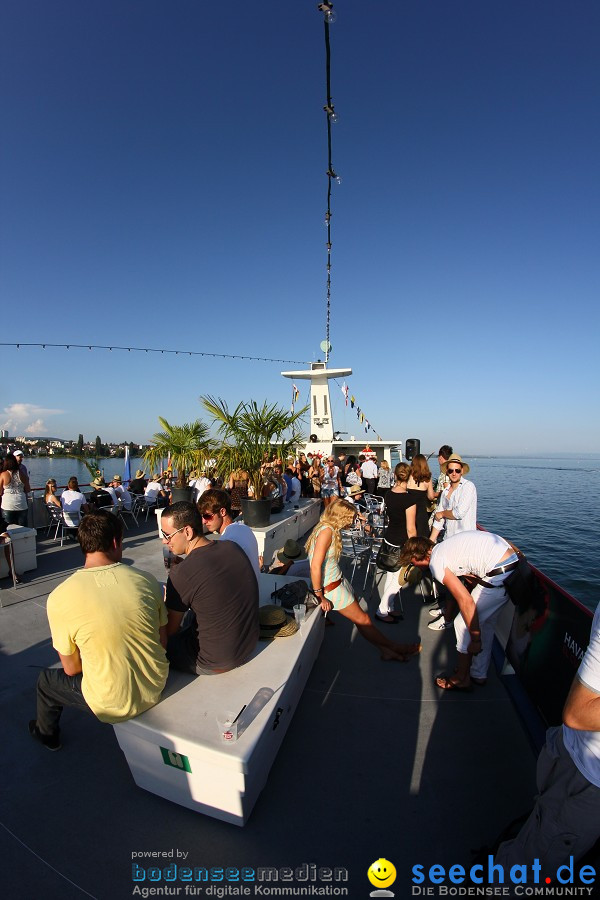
139 473
409 574
275 623
98 482
291 552
456 458
117 478
356 489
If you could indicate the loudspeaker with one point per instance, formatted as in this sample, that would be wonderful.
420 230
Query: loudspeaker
413 447
313 438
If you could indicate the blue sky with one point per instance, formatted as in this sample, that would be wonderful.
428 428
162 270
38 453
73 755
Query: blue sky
162 184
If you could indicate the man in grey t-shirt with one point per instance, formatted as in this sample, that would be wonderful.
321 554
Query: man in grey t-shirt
216 583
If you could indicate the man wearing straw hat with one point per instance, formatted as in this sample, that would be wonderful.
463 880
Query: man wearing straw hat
457 507
138 484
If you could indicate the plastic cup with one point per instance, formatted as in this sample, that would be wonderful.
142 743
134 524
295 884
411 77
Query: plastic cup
227 727
300 614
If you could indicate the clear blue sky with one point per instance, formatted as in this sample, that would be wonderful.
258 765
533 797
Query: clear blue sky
162 185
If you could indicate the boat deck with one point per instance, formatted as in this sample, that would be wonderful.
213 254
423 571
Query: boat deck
377 762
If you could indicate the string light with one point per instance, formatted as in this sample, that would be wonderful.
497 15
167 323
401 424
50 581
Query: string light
299 362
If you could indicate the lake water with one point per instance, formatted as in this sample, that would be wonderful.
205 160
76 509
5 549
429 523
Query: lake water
539 504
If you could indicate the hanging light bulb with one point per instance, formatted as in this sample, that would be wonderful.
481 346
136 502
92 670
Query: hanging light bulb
333 118
328 11
327 219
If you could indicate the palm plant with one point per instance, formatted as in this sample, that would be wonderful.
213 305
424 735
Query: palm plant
250 433
189 446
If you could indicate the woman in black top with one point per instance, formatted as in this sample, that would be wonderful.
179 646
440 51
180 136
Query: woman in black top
420 488
401 510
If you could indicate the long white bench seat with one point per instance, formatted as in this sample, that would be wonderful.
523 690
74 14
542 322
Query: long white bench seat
175 749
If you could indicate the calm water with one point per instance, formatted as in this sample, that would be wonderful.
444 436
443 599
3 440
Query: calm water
543 505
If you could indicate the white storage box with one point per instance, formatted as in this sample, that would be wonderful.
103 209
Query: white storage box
23 541
175 749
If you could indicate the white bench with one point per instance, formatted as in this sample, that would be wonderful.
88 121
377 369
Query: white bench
175 749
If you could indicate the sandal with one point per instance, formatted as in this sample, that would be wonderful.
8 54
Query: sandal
446 684
388 619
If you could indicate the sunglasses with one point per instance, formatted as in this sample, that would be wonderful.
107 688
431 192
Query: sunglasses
208 516
453 471
169 537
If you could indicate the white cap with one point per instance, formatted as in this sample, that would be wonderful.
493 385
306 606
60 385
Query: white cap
17 453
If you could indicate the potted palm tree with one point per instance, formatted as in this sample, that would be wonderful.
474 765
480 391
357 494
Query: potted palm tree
247 436
189 446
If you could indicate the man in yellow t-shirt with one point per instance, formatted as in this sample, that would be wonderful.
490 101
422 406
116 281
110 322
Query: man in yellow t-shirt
108 626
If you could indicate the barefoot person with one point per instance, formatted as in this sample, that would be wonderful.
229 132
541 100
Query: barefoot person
324 549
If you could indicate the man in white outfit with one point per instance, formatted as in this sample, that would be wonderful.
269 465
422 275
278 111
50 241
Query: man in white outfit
490 559
457 507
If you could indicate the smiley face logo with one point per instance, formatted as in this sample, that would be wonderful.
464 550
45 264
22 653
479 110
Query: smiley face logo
381 873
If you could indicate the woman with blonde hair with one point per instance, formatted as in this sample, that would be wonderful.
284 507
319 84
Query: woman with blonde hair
315 475
385 478
420 487
324 549
50 498
401 511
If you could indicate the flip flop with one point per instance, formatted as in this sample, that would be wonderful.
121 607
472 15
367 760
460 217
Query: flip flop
448 685
389 619
396 615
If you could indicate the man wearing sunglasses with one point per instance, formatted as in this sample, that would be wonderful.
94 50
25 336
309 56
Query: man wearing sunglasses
215 584
457 507
215 508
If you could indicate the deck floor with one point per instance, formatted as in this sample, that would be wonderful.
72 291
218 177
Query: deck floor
377 762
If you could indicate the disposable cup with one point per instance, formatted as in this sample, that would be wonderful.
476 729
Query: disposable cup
300 613
227 727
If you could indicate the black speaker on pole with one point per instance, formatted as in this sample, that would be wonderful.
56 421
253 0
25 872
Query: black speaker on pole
413 447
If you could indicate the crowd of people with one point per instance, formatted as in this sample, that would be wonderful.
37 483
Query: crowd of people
116 649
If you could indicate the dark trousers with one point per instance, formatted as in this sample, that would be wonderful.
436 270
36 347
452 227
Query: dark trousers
183 647
370 485
56 689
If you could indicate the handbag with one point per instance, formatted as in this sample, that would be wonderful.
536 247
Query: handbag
388 557
296 592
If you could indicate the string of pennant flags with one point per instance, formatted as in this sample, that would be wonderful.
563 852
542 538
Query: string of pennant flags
360 415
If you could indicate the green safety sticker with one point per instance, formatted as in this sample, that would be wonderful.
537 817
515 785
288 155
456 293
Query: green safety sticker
177 760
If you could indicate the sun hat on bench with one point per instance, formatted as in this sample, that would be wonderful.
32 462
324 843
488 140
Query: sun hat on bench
275 623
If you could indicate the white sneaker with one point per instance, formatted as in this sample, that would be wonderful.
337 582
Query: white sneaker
440 624
436 611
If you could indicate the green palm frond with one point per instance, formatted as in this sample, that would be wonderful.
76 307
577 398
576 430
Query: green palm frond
190 445
249 432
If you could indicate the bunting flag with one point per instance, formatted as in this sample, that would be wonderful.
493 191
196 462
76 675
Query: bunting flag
127 469
359 413
295 395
